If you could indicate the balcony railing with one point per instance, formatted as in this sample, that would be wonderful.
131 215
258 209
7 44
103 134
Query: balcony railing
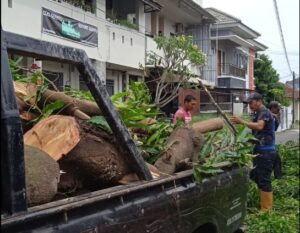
232 70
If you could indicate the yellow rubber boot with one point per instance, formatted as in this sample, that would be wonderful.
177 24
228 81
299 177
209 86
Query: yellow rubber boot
266 201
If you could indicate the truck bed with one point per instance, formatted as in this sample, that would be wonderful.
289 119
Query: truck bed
170 204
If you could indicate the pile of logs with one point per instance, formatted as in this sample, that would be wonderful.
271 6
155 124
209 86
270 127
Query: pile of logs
64 153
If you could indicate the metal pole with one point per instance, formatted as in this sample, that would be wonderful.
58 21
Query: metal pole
232 103
293 116
227 121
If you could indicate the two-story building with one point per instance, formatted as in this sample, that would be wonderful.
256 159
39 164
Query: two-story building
184 17
231 59
111 32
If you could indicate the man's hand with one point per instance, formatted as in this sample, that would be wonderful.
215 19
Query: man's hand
236 120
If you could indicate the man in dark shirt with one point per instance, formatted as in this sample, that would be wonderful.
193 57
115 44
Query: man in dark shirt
263 130
275 108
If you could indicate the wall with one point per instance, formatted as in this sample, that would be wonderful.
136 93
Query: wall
125 46
69 72
148 23
168 26
29 13
28 22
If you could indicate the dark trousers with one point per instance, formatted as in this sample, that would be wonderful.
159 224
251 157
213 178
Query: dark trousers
263 166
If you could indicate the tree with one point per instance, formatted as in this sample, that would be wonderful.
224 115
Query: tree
267 81
172 67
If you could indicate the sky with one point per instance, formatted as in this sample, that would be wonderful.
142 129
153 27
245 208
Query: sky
260 16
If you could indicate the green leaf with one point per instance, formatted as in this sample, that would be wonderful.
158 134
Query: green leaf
119 96
101 122
50 108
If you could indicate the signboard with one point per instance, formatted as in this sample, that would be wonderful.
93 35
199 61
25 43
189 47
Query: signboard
56 24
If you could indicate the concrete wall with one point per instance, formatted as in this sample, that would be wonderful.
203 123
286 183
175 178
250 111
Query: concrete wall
169 27
28 22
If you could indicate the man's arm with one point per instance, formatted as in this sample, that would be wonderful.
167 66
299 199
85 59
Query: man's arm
259 125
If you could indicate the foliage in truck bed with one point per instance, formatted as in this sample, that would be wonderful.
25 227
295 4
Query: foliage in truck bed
284 217
222 146
148 127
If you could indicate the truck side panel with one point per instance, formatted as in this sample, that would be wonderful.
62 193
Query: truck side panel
178 205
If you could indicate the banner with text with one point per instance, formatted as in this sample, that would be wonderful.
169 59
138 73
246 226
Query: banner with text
63 26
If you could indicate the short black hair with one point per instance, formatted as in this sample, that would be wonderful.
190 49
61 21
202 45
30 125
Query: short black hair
274 104
253 96
189 98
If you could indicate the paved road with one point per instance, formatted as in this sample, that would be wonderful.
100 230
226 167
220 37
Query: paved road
284 136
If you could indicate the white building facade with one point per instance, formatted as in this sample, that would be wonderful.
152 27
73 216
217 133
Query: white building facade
119 50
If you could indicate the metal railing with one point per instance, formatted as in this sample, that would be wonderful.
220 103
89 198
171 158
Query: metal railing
230 69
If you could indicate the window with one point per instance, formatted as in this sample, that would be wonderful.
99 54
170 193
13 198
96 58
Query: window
133 78
82 84
123 39
56 78
131 41
110 84
10 3
114 36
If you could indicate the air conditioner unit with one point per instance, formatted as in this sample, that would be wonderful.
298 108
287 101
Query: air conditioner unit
179 28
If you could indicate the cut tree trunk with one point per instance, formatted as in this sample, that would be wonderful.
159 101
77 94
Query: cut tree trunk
42 176
183 146
82 109
56 135
73 105
208 125
96 161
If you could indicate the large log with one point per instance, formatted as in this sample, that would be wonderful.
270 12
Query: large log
26 94
95 162
208 125
184 145
42 176
56 135
72 105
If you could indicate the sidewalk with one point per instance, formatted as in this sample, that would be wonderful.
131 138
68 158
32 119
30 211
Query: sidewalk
287 135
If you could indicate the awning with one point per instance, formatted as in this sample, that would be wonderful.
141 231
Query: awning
151 6
236 39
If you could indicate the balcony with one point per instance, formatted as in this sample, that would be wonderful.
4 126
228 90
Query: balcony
226 69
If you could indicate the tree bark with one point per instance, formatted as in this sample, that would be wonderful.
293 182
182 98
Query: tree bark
90 108
96 161
42 176
26 97
184 145
208 125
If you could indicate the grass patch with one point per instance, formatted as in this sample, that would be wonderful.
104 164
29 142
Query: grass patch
284 217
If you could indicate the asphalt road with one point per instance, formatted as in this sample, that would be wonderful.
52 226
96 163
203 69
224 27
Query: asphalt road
287 135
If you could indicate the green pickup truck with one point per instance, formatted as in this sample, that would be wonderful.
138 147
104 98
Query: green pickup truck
169 204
